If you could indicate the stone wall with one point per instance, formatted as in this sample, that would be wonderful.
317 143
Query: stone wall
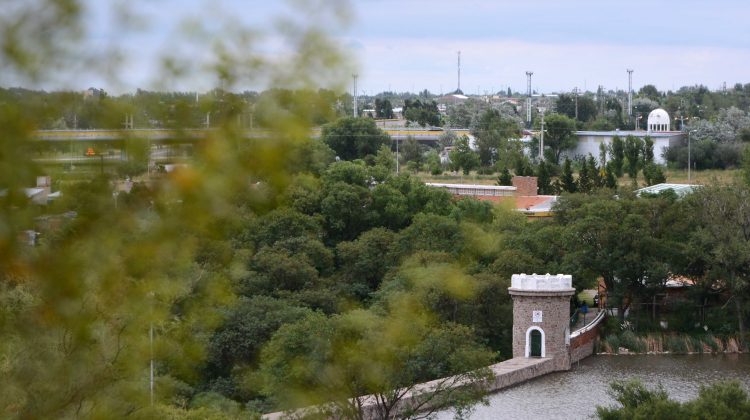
554 322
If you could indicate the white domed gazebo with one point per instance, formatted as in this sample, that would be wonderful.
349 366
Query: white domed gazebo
658 120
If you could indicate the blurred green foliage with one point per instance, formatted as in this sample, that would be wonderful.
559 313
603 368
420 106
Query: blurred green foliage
270 275
723 400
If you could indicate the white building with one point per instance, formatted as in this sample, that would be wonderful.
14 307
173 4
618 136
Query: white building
658 129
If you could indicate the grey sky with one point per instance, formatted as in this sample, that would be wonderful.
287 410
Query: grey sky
412 45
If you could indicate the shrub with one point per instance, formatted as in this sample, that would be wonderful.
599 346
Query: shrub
630 341
676 344
613 342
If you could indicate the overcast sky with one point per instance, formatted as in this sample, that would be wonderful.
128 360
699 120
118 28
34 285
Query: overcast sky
405 45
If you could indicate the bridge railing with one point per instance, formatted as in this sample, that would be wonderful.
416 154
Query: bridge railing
590 326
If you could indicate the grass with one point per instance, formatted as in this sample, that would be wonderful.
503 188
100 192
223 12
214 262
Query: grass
705 177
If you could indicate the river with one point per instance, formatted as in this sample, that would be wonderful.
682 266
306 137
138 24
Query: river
576 393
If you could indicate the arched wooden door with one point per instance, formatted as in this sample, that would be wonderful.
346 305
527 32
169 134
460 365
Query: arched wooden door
535 349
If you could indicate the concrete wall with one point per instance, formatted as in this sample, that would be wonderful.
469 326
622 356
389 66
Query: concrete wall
588 143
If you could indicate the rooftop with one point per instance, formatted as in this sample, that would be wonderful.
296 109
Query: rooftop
473 186
541 281
625 133
680 189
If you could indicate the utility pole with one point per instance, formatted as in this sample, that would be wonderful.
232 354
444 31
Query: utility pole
528 99
541 141
575 90
630 94
354 76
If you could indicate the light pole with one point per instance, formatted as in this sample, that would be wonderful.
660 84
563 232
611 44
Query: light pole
689 131
541 140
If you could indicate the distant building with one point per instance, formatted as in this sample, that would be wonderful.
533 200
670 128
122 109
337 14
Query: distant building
658 129
93 93
41 194
658 121
452 99
523 195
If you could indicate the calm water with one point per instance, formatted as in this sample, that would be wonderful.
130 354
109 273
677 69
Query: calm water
575 394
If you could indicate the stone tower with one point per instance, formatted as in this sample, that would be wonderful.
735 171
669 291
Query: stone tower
541 316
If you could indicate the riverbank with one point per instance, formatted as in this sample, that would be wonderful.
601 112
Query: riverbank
627 342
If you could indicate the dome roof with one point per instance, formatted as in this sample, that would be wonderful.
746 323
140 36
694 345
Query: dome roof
658 115
658 120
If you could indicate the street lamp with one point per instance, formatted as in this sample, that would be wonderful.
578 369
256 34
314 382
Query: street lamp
541 139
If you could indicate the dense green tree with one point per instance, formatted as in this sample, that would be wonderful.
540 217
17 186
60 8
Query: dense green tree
746 165
492 132
431 233
462 157
650 92
364 261
505 178
390 207
433 162
352 173
722 241
345 209
566 105
543 178
423 113
595 172
460 115
353 138
386 158
653 174
383 108
279 225
523 166
648 150
412 151
559 129
633 150
601 124
331 366
610 180
248 326
473 210
585 179
601 244
275 270
567 179
617 154
723 400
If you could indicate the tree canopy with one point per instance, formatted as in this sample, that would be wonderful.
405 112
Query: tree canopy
354 138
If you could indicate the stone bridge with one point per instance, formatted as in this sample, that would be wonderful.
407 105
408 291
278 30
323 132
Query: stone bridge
542 340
